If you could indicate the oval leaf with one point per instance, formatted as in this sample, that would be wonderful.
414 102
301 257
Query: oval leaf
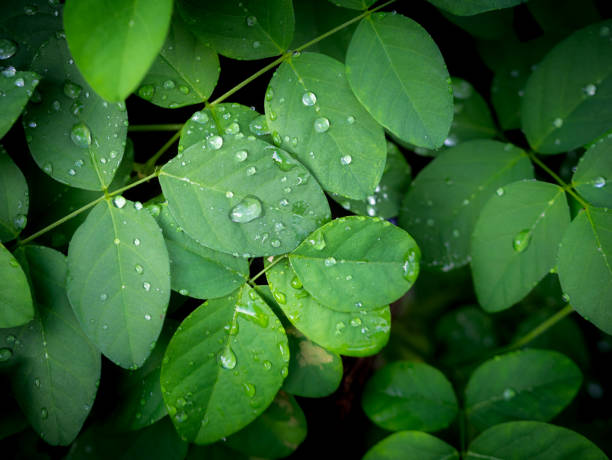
354 4
14 198
409 396
15 299
16 89
313 113
243 196
351 255
588 244
524 385
74 136
246 29
516 240
397 72
411 444
473 7
594 173
114 42
224 366
185 71
566 98
445 199
119 280
358 333
57 370
532 440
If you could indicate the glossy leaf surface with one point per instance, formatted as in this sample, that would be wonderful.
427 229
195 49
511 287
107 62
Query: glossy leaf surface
14 198
594 173
16 89
411 444
15 298
469 8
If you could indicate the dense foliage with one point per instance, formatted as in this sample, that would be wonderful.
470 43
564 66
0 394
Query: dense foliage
405 245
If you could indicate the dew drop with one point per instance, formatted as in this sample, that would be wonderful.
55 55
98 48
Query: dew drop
275 243
71 172
184 89
168 84
251 170
590 90
267 365
346 160
8 48
282 161
116 241
356 322
200 117
410 266
350 119
19 222
280 297
269 94
147 317
103 297
146 286
44 413
296 283
558 122
119 201
521 240
48 168
256 44
5 354
499 191
321 125
309 99
80 135
215 142
227 358
138 268
248 209
136 242
146 92
251 21
72 90
241 155
508 394
329 262
180 417
599 182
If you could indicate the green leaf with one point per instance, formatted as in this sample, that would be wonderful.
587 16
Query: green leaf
491 25
314 372
354 4
515 241
471 7
411 444
242 196
523 385
584 266
28 31
313 113
73 134
246 29
369 260
359 333
566 98
593 173
385 201
196 270
445 199
14 198
114 42
119 280
274 434
156 441
56 369
16 89
532 440
398 74
568 16
140 402
220 120
185 71
408 395
223 366
15 299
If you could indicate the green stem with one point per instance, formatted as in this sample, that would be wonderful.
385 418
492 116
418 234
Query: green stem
162 127
150 164
276 260
540 329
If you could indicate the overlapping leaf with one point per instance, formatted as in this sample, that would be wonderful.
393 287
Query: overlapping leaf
57 369
119 280
73 134
16 89
14 198
594 172
313 113
397 72
474 6
411 444
15 299
445 199
241 195
115 42
224 366
354 4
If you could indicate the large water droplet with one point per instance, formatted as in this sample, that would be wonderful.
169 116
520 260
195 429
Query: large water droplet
8 48
5 354
241 155
146 92
168 84
309 99
317 240
411 266
521 240
215 142
296 283
321 125
81 135
330 261
200 117
119 201
19 222
284 351
248 209
227 358
282 160
599 182
252 312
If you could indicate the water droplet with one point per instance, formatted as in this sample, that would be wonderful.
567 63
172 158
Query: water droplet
350 119
147 317
116 241
590 90
241 155
340 327
215 142
184 89
48 168
136 242
72 90
139 269
76 108
168 84
558 122
604 31
71 172
346 160
251 170
146 92
599 182
330 261
119 201
227 358
411 266
146 286
44 413
81 135
269 94
250 208
499 191
9 71
180 417
251 21
282 160
256 44
284 371
5 354
284 351
267 365
296 283
103 297
565 297
356 322
8 48
275 243
309 99
280 297
521 240
321 125
19 222
508 394
37 382
200 117
249 389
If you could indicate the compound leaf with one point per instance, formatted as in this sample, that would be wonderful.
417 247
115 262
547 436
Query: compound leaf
119 280
56 369
593 172
445 199
411 444
523 385
14 198
246 29
406 395
16 89
73 134
358 333
515 241
223 366
313 113
243 196
566 98
114 42
369 260
15 298
398 74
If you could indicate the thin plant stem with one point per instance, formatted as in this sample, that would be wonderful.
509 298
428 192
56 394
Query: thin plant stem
150 164
540 329
274 262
